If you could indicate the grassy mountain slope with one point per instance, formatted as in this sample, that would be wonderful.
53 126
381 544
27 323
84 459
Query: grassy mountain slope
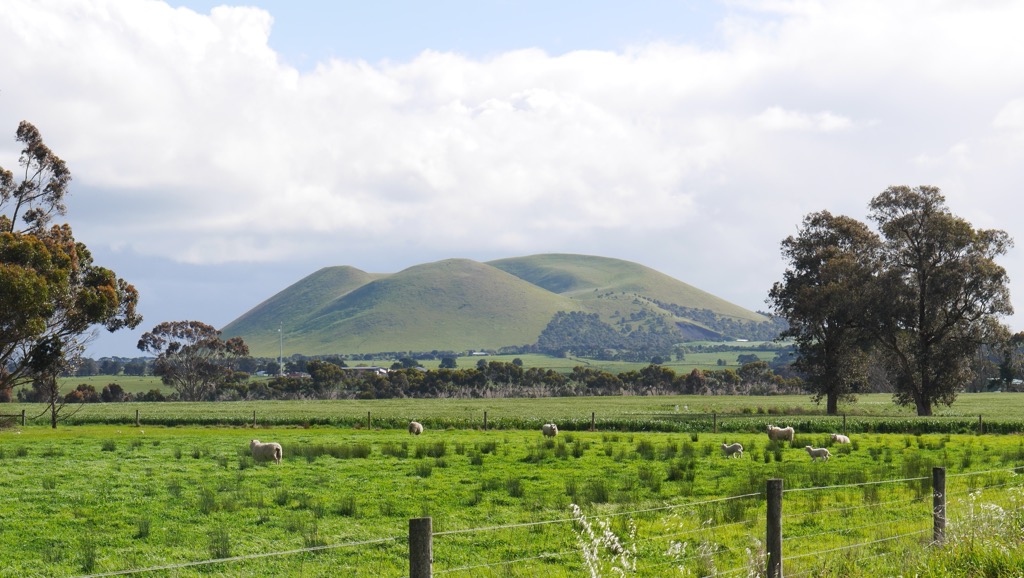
456 304
459 304
290 308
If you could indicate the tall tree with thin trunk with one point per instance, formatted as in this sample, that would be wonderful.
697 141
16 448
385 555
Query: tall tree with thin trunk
192 358
51 292
823 296
939 294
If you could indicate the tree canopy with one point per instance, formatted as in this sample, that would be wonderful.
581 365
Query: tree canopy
924 294
51 292
192 358
831 261
940 294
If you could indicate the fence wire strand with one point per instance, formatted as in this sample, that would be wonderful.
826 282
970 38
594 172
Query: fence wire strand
1012 470
506 562
242 558
849 508
857 485
857 545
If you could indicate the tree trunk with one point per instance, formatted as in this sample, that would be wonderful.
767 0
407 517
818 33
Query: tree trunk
53 415
832 404
924 407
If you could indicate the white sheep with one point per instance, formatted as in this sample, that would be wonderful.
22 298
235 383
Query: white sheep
266 451
816 453
840 439
733 450
415 428
549 430
781 433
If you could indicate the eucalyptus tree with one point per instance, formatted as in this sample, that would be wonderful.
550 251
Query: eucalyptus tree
939 294
825 292
51 292
192 358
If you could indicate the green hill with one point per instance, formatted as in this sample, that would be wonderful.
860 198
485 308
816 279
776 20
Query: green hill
459 304
453 305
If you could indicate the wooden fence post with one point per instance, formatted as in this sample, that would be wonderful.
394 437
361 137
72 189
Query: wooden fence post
844 424
367 420
773 534
23 417
137 423
714 422
421 548
254 418
981 426
485 421
593 421
939 505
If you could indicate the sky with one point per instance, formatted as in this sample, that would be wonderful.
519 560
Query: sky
223 151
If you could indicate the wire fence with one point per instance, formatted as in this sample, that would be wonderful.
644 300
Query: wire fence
825 533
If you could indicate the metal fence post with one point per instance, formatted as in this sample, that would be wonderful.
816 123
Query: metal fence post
421 548
939 505
773 535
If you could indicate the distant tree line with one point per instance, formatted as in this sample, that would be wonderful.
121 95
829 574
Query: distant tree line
328 380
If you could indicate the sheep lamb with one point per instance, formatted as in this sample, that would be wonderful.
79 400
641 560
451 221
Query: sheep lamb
415 428
816 453
781 433
549 430
733 450
840 439
266 451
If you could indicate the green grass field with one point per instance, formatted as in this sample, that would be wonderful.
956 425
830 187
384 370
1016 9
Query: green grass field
874 412
95 499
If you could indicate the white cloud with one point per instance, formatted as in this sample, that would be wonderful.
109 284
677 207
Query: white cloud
777 118
203 146
1011 116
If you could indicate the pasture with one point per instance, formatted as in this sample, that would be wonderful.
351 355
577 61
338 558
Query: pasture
95 499
873 412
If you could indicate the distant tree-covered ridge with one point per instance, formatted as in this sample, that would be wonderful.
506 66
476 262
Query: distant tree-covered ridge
643 336
731 327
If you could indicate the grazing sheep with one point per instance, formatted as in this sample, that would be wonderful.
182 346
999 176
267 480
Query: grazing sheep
266 451
549 430
733 450
781 433
415 428
840 439
816 453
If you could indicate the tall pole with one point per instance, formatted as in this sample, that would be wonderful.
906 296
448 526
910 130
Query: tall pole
280 358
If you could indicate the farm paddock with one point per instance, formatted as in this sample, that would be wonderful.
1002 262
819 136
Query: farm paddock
96 499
